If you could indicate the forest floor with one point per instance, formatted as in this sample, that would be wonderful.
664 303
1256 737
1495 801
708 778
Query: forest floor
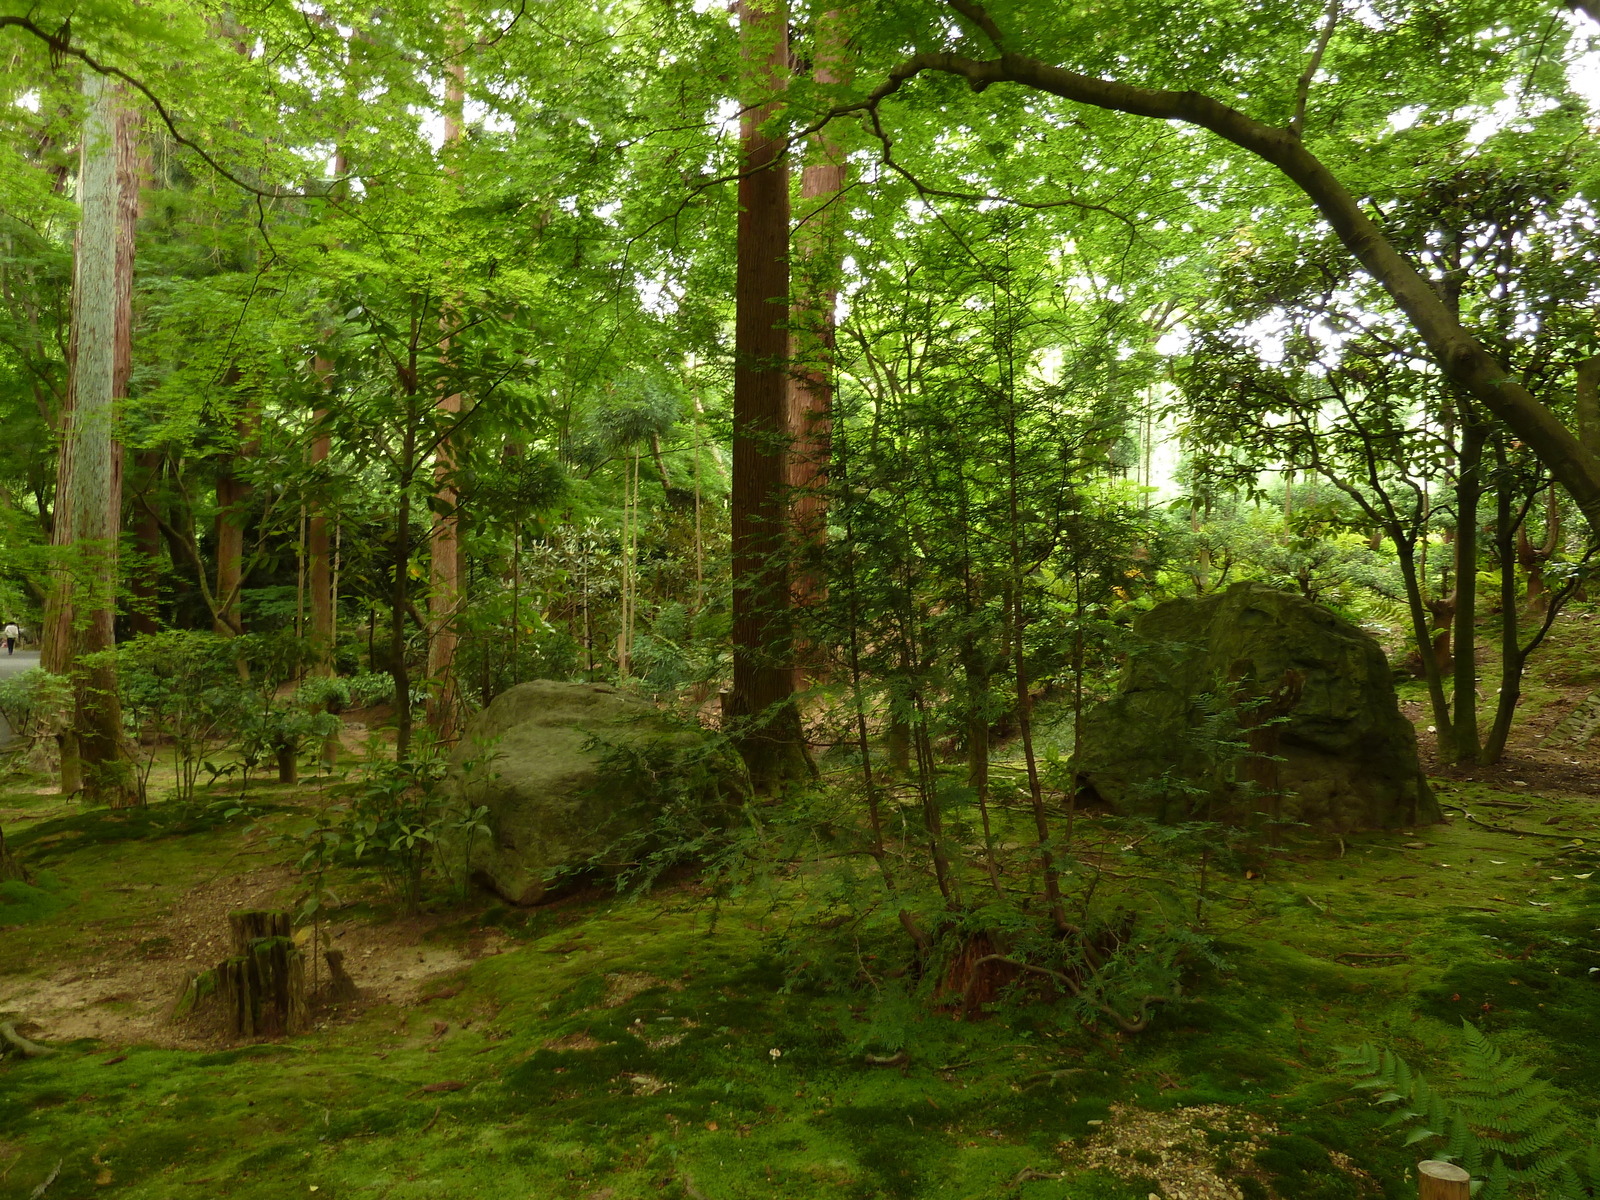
606 1049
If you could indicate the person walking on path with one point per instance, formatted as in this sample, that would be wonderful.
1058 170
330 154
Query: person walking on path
11 635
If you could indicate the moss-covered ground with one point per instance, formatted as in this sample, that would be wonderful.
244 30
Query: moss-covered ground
653 1048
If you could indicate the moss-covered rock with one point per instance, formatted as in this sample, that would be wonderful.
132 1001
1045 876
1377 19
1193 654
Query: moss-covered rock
1208 667
565 770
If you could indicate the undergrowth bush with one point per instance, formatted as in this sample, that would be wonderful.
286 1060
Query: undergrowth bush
36 705
399 819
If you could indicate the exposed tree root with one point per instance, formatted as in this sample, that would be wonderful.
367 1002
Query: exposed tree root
14 1042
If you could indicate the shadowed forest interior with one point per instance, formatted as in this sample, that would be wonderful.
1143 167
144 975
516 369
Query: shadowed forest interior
716 601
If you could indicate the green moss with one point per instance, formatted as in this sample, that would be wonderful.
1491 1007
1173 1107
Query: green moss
975 1106
22 903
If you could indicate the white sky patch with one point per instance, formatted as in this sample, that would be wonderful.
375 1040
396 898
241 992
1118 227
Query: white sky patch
1173 342
655 296
28 100
1404 118
1583 74
490 120
1503 115
726 118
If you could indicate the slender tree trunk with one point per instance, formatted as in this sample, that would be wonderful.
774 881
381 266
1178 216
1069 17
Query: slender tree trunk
323 574
444 540
398 603
144 573
319 560
1511 655
762 703
79 617
1469 490
1405 552
233 495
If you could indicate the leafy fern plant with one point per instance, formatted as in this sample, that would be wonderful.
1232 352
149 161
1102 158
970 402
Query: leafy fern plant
1507 1127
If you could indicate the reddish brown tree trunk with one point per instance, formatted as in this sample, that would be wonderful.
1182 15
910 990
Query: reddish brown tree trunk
820 259
762 701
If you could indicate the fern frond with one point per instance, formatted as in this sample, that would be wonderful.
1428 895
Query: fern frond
1501 1123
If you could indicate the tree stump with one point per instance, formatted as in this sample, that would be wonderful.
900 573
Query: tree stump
1442 1181
262 987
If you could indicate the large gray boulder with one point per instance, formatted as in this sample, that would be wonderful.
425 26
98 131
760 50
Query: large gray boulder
553 804
1349 756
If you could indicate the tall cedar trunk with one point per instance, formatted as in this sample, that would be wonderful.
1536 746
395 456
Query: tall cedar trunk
820 260
1469 489
763 681
444 536
79 615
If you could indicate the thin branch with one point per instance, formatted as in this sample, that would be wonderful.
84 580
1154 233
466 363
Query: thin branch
1297 123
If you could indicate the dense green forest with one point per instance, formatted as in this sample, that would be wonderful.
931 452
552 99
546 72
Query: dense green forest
788 599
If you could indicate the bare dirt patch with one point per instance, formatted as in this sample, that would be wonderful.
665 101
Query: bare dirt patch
127 993
1175 1148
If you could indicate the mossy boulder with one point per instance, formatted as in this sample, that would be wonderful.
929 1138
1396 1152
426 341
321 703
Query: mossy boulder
567 770
1282 679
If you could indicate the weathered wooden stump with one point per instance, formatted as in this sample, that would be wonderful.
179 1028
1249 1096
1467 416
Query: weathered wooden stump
262 986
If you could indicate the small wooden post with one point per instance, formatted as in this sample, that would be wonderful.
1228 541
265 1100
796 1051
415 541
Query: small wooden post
1442 1181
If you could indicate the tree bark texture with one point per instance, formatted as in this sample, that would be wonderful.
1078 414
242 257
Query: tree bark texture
1587 402
763 684
82 603
1463 359
262 986
819 256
